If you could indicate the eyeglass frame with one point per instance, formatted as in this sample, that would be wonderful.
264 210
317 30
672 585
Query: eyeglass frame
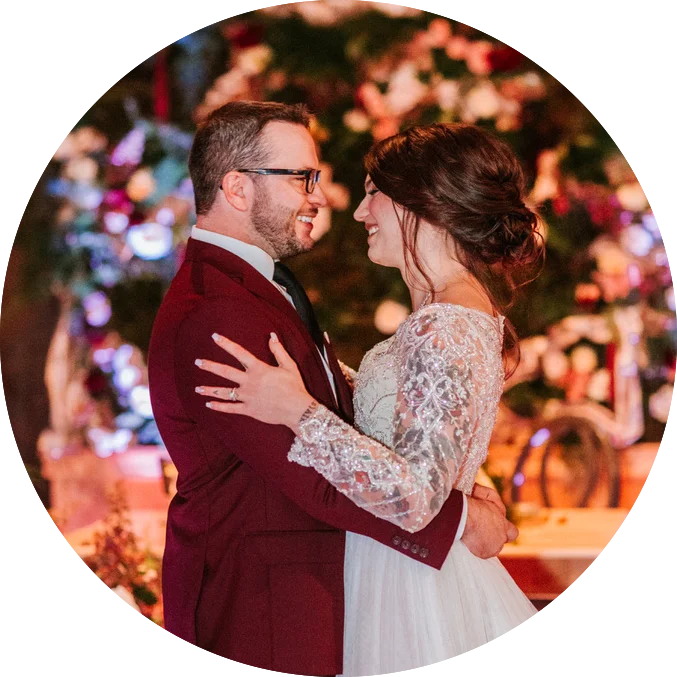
312 175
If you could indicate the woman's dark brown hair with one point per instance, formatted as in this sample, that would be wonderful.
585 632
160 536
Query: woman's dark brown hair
465 181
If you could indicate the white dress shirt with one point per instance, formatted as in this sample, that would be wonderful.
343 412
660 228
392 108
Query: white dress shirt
264 264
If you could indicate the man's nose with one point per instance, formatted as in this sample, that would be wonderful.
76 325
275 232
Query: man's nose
317 197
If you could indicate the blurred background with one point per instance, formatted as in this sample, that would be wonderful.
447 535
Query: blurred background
105 230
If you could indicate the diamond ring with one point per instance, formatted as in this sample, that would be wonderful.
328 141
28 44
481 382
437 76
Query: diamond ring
233 395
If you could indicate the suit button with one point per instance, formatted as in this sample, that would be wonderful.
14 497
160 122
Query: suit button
405 545
396 540
424 553
414 548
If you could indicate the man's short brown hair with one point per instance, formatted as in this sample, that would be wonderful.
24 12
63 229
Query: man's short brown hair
230 139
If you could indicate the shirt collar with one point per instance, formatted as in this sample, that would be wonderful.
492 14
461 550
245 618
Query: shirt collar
251 254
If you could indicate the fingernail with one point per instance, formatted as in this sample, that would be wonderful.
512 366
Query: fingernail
273 336
216 337
199 389
198 363
209 405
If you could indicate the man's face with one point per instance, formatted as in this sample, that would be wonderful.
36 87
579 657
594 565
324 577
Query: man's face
282 212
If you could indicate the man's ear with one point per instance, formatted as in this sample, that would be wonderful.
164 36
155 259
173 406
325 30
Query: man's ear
237 189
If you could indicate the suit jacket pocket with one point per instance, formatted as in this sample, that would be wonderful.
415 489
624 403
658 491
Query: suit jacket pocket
305 579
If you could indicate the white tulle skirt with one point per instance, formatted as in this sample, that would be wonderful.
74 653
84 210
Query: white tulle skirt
401 614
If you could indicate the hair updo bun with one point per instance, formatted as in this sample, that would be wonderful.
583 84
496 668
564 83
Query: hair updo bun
515 242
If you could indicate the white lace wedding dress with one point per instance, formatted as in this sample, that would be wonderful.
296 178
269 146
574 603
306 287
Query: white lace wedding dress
425 404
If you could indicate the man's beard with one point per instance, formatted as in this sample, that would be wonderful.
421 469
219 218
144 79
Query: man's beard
276 225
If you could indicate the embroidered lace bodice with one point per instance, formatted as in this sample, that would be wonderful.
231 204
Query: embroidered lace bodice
425 404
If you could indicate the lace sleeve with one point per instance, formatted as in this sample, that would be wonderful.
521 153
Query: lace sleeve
441 363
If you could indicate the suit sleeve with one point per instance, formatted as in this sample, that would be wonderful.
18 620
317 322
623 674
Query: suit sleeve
265 447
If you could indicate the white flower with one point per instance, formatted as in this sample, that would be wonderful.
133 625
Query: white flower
483 101
405 90
555 365
659 403
393 10
598 385
583 360
599 330
80 142
448 94
637 240
82 169
356 120
477 57
631 196
317 13
535 344
254 60
389 316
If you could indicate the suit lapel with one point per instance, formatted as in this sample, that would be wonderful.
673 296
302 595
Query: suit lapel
250 278
343 390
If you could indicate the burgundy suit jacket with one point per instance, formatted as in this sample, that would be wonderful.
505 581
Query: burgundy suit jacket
253 563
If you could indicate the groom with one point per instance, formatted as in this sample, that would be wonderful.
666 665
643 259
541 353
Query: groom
253 564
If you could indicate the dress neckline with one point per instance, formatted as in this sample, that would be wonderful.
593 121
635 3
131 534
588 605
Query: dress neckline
457 305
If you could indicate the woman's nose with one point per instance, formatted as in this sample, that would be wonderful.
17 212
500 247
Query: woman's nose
362 211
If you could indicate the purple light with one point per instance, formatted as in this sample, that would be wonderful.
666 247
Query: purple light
150 241
108 443
626 218
126 378
634 275
130 150
518 479
139 400
122 356
115 222
97 309
104 357
539 437
165 217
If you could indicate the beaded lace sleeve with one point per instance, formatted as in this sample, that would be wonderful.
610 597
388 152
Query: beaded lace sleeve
446 384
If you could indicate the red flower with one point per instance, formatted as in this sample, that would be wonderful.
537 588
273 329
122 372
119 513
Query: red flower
117 200
505 59
96 382
244 35
560 205
601 212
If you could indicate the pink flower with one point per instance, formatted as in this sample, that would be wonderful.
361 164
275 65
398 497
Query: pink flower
477 57
457 47
439 32
384 128
372 100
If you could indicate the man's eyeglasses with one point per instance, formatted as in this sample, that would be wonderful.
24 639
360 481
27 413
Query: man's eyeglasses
312 175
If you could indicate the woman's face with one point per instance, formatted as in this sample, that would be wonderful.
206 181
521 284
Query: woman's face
380 217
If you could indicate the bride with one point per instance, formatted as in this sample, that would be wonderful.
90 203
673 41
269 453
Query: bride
443 204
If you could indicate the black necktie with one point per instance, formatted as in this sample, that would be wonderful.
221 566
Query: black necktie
285 278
